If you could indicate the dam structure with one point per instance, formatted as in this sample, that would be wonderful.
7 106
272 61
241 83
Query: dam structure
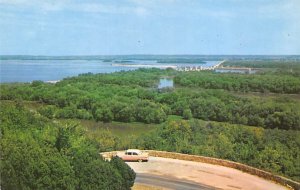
200 68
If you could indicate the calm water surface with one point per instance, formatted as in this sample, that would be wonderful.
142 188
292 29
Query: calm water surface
165 83
52 70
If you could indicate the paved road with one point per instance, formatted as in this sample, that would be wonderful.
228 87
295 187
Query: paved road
169 182
180 174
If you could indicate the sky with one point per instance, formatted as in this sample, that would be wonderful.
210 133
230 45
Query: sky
119 27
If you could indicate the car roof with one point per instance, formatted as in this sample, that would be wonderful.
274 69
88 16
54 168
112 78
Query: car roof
133 150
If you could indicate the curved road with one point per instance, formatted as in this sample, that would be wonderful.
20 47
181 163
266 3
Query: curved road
180 174
169 182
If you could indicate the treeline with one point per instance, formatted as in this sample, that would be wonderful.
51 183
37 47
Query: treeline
216 105
181 60
131 96
123 96
288 66
39 154
277 151
283 83
141 77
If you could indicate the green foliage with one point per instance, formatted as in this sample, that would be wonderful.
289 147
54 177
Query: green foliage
178 135
126 172
27 165
39 154
36 83
104 114
62 139
131 97
277 66
187 114
274 150
48 111
278 83
92 172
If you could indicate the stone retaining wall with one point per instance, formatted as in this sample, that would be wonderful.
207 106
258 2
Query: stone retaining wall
242 167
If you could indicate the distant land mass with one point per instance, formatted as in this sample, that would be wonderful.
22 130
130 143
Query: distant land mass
160 58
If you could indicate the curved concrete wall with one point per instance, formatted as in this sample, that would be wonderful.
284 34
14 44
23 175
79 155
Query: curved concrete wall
245 168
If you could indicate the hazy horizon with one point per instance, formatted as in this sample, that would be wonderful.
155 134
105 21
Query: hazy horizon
133 54
157 27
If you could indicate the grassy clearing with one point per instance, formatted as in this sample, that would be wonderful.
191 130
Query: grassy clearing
174 118
125 133
119 129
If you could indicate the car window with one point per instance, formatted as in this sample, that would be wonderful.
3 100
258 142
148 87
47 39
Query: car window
134 153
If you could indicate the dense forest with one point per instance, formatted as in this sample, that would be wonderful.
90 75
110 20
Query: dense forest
272 82
132 96
37 153
213 119
277 151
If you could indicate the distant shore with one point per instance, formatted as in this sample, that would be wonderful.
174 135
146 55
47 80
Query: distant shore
52 81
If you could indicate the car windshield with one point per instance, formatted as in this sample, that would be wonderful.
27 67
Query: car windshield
132 152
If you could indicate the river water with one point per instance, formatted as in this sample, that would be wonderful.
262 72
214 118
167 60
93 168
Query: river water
165 83
20 70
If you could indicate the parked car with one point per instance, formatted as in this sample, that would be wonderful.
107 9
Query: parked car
134 155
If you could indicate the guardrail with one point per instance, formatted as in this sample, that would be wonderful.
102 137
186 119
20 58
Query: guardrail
242 167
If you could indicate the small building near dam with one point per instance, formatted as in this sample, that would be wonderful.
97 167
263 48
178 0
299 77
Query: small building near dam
236 70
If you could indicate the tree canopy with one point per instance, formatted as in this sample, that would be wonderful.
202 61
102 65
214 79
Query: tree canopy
37 153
